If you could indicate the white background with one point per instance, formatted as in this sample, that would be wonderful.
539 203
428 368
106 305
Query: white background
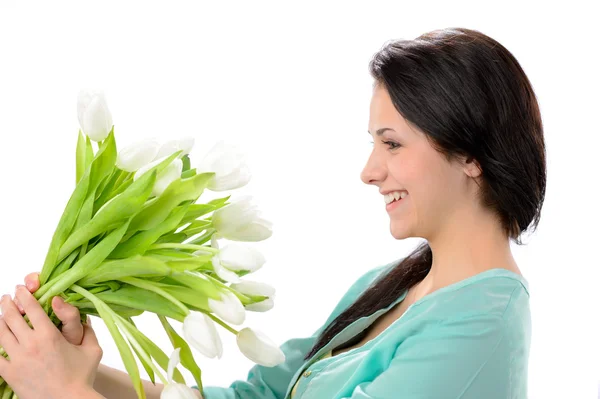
289 83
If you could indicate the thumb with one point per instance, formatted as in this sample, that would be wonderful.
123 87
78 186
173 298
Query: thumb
68 314
90 341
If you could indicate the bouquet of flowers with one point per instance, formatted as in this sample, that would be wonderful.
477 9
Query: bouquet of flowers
132 240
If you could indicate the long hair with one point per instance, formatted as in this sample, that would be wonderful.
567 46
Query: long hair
471 98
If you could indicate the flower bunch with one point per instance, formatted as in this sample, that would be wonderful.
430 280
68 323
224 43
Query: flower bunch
133 239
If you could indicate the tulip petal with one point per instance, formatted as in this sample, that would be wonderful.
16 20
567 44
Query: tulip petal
173 362
199 331
259 348
178 391
137 155
97 120
254 288
229 308
223 272
262 306
238 257
258 230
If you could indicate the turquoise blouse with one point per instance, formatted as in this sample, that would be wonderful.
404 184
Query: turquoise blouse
468 340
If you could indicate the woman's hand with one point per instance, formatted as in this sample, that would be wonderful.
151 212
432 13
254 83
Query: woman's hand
72 329
42 363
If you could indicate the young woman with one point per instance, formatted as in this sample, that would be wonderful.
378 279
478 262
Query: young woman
459 157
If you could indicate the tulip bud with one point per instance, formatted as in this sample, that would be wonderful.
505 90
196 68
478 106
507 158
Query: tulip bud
262 306
174 390
240 221
94 116
257 347
185 145
229 308
238 257
254 288
169 174
228 164
137 155
200 332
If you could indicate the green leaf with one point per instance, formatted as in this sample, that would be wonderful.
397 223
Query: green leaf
124 350
89 152
197 210
203 284
138 298
129 203
174 194
155 352
105 188
185 354
101 165
197 226
138 266
65 225
64 265
104 162
83 266
139 243
80 165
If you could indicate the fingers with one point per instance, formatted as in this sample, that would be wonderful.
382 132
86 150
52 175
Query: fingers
72 328
90 342
7 339
13 319
38 317
32 281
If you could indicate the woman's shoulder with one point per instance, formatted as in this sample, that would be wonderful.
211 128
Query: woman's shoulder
497 294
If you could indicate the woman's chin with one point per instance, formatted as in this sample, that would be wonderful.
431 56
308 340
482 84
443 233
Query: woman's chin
399 231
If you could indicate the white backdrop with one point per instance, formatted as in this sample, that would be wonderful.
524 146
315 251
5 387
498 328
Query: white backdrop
289 84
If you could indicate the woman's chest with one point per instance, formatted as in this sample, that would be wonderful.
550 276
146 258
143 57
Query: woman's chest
378 326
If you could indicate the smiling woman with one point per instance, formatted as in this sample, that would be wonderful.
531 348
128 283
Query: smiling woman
458 138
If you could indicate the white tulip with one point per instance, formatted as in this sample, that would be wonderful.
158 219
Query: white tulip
249 287
174 390
200 332
94 116
229 165
223 272
229 308
240 221
257 347
238 257
185 144
262 306
169 174
137 155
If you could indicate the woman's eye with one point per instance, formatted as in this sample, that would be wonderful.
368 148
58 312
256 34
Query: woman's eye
391 144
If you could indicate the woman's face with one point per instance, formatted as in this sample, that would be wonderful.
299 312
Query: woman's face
403 159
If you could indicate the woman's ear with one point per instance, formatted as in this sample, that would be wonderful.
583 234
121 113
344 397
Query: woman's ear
472 167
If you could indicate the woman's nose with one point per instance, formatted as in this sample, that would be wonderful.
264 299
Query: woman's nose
373 172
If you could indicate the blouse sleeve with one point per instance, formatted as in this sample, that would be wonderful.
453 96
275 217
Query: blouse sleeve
466 358
272 382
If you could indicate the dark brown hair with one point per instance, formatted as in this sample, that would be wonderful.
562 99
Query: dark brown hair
471 98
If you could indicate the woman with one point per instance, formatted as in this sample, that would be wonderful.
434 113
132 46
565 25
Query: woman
460 152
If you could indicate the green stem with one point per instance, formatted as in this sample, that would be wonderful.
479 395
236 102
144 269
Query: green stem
120 322
223 324
185 246
151 287
124 175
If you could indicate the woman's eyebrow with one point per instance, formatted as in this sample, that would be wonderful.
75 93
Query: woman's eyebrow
379 132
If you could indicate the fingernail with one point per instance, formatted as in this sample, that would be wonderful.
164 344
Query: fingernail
30 285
